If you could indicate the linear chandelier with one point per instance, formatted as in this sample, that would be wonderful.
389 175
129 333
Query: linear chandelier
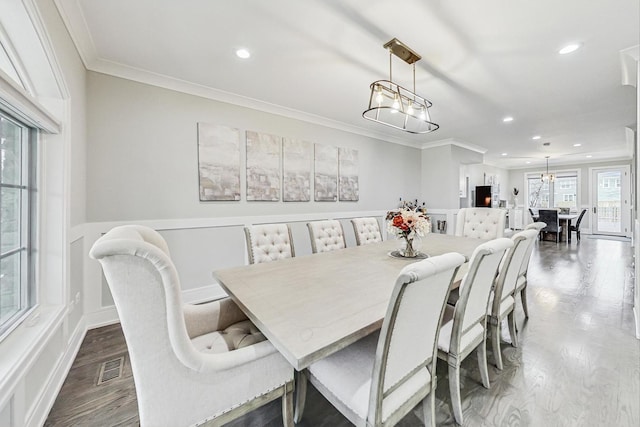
395 106
547 177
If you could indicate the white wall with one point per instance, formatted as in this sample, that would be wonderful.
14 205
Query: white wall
142 156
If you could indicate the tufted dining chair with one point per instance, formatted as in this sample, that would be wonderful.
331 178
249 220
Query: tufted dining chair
367 230
379 379
481 223
192 364
503 296
268 242
326 236
464 326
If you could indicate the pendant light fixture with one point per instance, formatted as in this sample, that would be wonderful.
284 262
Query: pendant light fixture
393 105
547 177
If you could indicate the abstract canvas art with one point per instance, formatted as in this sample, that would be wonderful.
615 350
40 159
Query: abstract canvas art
297 156
218 162
326 173
348 170
263 167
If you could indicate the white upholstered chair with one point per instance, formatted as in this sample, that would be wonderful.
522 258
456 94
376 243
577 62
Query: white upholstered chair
367 230
481 223
191 363
326 236
269 242
503 302
521 285
382 377
463 326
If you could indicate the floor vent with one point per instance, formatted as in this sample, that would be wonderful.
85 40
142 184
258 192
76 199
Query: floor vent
110 370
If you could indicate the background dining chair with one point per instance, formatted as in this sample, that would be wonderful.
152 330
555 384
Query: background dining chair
576 227
191 363
481 223
463 327
550 217
367 230
268 242
503 301
326 236
534 217
379 379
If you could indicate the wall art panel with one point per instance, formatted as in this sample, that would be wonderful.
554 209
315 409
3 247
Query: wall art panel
218 162
348 170
297 156
263 167
326 173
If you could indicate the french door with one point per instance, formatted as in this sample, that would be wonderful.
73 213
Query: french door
611 203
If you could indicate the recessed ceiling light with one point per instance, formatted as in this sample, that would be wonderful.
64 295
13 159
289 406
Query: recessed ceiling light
577 145
527 162
536 137
569 48
589 156
243 53
507 119
503 154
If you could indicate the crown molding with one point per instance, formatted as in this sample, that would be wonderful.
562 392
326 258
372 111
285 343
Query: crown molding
456 142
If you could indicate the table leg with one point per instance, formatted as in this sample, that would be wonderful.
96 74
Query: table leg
568 230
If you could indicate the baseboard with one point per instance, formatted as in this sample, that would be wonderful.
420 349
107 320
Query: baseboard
103 317
39 412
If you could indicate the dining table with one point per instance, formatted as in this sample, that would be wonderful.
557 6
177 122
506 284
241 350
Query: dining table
314 305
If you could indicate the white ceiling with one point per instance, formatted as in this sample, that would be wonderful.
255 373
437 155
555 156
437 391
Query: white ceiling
315 59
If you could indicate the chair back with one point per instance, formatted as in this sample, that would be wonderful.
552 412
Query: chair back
171 374
326 236
549 217
481 223
367 230
577 226
475 288
510 267
418 298
268 242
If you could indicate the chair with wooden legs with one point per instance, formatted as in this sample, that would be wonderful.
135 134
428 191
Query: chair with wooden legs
379 379
463 326
503 302
521 285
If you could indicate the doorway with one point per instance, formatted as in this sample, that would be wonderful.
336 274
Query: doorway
610 207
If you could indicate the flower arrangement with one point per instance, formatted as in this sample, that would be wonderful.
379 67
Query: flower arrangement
408 222
515 191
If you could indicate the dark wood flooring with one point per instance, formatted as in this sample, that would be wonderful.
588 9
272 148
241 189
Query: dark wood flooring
578 363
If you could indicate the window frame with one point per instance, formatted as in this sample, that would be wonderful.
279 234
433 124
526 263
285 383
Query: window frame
28 223
567 173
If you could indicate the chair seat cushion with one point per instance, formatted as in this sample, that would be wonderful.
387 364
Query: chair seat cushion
347 375
238 335
444 340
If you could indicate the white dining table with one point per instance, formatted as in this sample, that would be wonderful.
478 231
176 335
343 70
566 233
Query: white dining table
314 305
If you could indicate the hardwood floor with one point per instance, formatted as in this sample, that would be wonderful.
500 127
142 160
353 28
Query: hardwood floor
578 362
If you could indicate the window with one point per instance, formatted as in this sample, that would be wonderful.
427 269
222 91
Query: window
17 290
561 193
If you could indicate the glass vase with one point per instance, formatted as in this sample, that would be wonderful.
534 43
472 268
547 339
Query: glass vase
409 246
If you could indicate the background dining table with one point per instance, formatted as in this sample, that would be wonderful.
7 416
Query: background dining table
311 306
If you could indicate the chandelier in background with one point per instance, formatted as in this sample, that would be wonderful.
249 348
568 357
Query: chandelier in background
547 177
395 106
